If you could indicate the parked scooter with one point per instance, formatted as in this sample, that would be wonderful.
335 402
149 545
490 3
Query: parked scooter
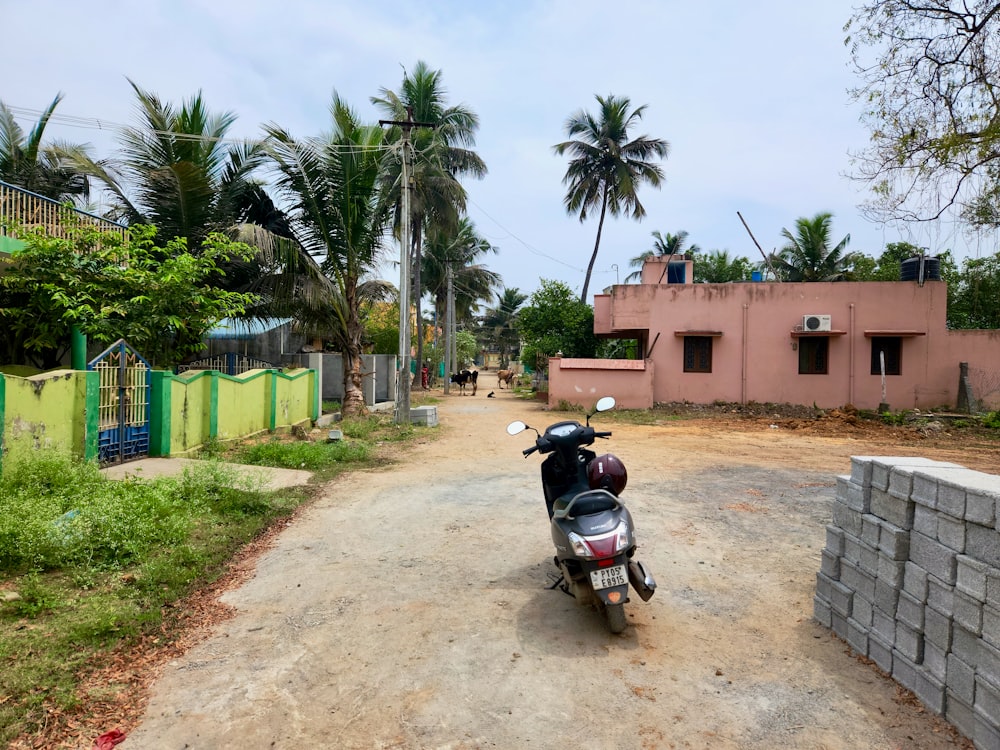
591 528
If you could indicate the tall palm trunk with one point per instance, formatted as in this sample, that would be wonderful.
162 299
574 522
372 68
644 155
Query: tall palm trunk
597 245
354 395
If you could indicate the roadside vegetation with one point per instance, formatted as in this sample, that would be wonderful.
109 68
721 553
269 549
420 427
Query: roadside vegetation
88 565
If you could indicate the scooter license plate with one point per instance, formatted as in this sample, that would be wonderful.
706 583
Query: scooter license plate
605 578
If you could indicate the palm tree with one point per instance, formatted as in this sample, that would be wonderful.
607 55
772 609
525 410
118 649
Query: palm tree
500 323
606 168
334 188
663 245
472 282
443 153
42 169
808 255
716 267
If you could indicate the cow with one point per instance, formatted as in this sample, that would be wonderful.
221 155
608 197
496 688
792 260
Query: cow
464 378
504 376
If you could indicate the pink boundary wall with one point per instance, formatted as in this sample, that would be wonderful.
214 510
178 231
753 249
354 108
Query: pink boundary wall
755 330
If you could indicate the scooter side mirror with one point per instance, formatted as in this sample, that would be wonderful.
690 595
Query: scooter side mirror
516 428
605 404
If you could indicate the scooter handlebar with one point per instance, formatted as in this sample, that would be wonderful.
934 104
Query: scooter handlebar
528 451
602 434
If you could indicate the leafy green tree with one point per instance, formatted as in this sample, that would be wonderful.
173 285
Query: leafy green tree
500 324
332 183
887 267
41 168
555 321
974 294
716 267
606 168
158 297
442 154
929 73
808 254
663 245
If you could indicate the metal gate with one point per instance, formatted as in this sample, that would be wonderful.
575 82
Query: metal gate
123 412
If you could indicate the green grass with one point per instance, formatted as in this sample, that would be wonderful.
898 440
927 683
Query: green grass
87 563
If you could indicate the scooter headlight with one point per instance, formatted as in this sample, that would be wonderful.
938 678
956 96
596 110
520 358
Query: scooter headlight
579 545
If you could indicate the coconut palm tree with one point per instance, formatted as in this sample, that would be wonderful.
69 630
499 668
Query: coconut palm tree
663 245
717 267
29 164
808 254
333 186
443 153
606 168
500 323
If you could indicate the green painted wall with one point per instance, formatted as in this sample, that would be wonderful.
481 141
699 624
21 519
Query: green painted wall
46 411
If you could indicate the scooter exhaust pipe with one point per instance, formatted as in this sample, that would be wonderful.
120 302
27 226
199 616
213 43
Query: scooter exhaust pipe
641 581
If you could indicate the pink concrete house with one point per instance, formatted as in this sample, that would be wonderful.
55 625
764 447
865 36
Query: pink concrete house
768 342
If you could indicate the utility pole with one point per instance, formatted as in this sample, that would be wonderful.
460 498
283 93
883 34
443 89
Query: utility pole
403 379
449 359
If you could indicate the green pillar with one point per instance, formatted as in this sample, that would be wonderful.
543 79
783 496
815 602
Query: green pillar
78 348
160 413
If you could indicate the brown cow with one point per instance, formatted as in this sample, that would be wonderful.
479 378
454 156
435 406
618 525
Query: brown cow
504 376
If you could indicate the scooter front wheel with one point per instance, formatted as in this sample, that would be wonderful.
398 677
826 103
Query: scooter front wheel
615 615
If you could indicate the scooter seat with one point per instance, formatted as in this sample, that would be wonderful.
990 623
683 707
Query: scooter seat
585 504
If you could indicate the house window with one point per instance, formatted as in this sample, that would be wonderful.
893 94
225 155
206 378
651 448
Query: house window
697 354
814 352
892 346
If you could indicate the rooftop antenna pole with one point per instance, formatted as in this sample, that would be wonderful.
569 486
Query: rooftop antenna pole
763 254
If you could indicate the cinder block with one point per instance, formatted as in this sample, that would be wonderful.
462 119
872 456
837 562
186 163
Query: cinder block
981 503
925 521
861 612
894 508
988 664
986 736
968 612
970 577
965 645
894 541
951 497
941 596
857 636
880 652
910 612
841 598
870 528
937 628
886 597
904 671
861 470
835 540
884 626
891 571
993 586
909 642
951 532
852 548
823 589
987 700
991 625
830 564
925 490
856 580
930 691
934 557
838 623
847 519
869 560
915 581
959 714
983 544
853 495
822 611
961 679
935 661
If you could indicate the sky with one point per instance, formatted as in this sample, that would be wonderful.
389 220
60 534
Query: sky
753 99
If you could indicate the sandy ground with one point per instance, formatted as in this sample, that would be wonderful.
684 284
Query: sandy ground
407 608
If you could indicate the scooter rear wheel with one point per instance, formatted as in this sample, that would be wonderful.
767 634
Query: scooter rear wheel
615 614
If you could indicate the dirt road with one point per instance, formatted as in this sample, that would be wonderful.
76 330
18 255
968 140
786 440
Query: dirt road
407 608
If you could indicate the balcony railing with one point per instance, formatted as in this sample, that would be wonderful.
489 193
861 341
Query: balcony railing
22 209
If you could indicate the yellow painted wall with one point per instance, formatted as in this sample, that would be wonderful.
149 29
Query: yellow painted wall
45 411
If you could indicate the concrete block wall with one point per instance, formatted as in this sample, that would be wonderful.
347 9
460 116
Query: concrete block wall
910 578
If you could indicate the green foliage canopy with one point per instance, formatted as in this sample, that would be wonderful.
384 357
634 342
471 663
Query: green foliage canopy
556 321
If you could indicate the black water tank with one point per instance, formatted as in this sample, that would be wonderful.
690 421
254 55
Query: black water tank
909 269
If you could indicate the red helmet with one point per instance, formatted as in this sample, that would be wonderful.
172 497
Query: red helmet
607 472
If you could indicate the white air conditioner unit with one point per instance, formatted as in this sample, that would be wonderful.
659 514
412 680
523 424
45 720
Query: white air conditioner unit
815 322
